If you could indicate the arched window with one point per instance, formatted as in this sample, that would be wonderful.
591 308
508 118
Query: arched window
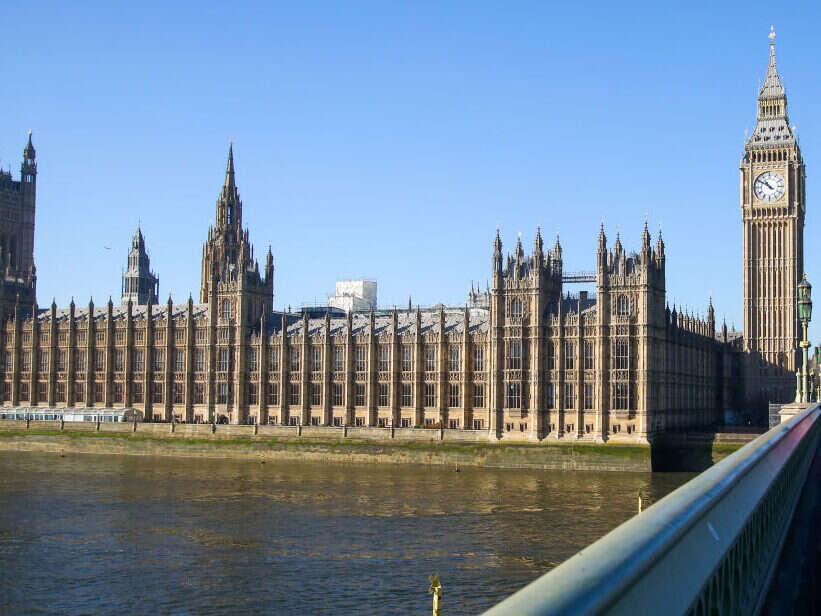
623 305
516 308
514 355
226 309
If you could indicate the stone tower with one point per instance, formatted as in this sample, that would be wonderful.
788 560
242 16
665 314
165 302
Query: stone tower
772 209
228 267
139 282
18 279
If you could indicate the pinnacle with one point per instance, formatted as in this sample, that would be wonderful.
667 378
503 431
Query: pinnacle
229 170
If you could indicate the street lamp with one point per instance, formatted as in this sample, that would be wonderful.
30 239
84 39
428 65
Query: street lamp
804 315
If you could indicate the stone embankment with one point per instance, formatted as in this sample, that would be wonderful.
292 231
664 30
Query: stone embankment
324 444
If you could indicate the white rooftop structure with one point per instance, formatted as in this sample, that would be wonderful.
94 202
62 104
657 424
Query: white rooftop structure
354 295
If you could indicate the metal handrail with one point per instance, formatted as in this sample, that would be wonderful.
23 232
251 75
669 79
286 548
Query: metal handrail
708 547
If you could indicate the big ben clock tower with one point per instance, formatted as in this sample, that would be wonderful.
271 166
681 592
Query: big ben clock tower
772 209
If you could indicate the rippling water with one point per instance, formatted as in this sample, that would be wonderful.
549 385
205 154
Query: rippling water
129 534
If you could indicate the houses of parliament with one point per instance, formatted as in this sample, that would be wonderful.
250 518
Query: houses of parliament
525 360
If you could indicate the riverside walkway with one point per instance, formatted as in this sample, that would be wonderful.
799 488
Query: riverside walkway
714 546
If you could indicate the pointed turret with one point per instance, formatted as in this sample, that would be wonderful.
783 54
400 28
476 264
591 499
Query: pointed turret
772 123
229 168
497 252
660 246
645 239
29 154
538 247
138 280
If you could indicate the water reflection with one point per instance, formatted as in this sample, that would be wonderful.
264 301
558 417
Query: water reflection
127 533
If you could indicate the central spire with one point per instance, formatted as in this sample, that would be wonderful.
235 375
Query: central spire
229 170
772 87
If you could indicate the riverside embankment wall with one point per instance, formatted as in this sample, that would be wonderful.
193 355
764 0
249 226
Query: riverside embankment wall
327 444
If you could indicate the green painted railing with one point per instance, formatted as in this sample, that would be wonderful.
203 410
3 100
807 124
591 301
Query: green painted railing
710 547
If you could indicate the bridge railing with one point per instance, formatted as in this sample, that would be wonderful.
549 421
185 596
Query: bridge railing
710 547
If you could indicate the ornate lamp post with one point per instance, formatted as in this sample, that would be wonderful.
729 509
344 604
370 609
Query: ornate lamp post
802 393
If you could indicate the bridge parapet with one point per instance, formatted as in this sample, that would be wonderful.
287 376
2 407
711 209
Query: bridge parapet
709 547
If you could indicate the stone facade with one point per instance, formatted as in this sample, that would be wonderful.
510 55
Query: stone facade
523 361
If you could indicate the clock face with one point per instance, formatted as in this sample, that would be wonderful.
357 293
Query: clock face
769 186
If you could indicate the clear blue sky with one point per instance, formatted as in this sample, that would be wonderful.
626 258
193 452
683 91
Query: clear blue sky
388 140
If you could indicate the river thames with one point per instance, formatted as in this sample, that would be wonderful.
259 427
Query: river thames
103 534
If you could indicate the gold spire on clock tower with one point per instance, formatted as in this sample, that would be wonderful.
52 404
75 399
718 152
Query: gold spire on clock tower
772 211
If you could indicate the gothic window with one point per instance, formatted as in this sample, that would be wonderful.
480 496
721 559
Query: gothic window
621 395
338 394
514 396
294 360
24 390
61 393
455 398
359 394
199 360
26 361
623 305
430 394
201 335
588 396
588 356
514 356
99 360
226 309
179 335
42 391
139 336
339 359
550 396
384 359
222 393
293 394
159 361
550 356
5 360
569 356
199 393
179 392
361 363
479 396
252 360
479 359
137 393
139 361
407 394
43 363
454 363
383 394
430 358
273 363
222 360
117 394
98 392
273 394
316 394
118 360
407 358
516 308
621 354
569 396
316 359
156 393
